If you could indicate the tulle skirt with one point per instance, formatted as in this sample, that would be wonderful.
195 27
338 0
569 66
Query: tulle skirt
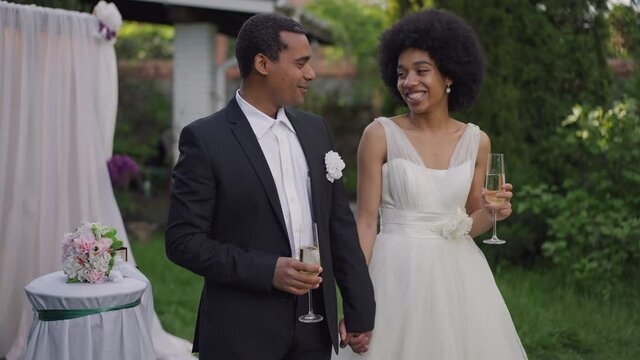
436 300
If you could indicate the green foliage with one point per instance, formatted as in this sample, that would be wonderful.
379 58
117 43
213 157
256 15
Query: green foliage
176 290
144 111
356 27
399 8
125 203
557 320
115 242
624 22
592 209
542 58
347 121
139 41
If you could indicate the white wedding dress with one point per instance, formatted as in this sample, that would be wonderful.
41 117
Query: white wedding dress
436 297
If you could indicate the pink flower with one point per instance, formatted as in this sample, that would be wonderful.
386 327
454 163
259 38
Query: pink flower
95 276
84 245
104 245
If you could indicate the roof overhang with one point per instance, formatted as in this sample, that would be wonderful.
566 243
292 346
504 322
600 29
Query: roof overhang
243 6
227 15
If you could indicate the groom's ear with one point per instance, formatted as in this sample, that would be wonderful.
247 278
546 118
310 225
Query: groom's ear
261 64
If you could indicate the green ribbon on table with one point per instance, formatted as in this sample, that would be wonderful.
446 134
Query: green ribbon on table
63 314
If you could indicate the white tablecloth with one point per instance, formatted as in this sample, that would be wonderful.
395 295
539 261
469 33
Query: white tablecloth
119 334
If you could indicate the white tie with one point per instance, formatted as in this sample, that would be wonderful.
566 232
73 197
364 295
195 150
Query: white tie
281 130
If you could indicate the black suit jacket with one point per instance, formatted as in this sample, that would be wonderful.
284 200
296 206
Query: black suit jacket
225 223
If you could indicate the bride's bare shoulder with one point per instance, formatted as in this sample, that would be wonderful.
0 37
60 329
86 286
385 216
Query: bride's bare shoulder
375 130
373 139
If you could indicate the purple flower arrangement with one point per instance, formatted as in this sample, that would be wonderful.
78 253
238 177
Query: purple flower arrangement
122 169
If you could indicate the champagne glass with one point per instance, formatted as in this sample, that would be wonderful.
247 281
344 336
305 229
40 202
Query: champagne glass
311 255
494 182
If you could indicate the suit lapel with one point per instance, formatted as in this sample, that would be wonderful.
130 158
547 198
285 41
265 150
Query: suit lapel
246 137
306 138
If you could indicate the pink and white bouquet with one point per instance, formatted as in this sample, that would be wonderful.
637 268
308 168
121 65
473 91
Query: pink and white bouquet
88 254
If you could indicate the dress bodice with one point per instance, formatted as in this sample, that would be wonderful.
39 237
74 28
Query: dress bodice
411 187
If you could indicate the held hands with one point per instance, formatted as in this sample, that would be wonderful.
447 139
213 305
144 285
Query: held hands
359 342
296 277
500 204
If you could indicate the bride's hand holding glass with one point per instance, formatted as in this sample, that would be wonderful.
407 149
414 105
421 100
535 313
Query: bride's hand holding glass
501 204
497 203
496 194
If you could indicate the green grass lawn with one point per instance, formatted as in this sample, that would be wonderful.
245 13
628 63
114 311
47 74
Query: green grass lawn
176 291
554 321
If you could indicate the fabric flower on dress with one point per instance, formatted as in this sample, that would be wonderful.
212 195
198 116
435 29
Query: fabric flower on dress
456 227
334 164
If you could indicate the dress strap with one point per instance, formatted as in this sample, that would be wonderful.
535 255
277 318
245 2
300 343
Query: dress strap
467 148
398 145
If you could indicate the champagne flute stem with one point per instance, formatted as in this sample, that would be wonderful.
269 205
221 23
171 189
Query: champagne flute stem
495 235
310 304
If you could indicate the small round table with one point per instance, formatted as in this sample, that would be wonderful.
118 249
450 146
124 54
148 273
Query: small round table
88 321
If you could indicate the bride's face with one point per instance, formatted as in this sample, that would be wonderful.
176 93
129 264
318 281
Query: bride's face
420 83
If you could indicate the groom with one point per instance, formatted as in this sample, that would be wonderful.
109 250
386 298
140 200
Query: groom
248 184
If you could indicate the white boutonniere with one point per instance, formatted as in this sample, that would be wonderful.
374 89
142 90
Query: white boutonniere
456 227
334 164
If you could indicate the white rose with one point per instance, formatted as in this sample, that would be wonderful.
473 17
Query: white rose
70 267
100 261
83 274
334 165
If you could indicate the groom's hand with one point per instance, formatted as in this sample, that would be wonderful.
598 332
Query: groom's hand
359 342
296 277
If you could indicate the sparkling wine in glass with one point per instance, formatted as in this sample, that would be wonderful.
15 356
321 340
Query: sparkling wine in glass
493 184
311 255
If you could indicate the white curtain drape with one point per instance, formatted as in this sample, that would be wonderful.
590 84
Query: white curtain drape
58 101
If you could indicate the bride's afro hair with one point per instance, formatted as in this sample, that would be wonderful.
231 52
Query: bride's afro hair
450 42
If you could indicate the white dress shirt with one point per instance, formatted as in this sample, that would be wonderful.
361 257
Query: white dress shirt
289 169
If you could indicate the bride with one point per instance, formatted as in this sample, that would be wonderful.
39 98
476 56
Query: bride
423 173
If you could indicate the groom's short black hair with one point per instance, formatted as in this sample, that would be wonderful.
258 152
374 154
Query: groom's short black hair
450 42
261 35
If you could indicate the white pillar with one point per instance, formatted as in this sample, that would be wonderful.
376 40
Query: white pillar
220 94
194 68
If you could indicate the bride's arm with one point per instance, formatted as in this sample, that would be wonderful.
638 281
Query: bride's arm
372 153
480 211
